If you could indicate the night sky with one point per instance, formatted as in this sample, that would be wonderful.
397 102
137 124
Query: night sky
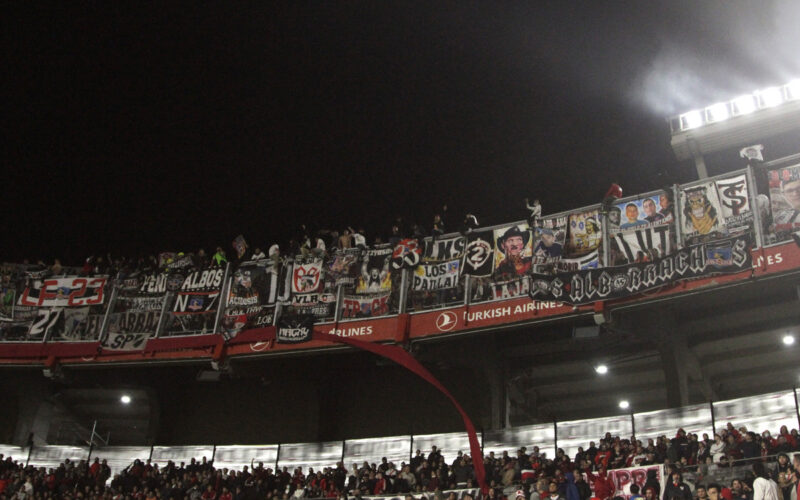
166 126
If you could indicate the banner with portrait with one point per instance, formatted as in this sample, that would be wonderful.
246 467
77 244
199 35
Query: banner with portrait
342 267
641 229
251 298
784 194
550 236
646 211
727 256
513 251
700 213
376 270
584 233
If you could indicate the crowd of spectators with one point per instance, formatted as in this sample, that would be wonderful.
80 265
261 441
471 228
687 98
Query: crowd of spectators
693 466
304 242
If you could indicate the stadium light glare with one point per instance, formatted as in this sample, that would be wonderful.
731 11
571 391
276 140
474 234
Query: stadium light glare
788 339
744 105
125 399
793 90
769 98
692 119
601 369
717 112
624 404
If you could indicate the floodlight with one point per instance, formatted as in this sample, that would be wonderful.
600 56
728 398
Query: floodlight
788 339
601 369
624 404
744 105
125 399
793 90
770 97
717 112
692 119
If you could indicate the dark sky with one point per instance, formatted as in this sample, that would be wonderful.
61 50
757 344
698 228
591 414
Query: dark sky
160 125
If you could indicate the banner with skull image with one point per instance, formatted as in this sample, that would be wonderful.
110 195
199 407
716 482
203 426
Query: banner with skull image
376 271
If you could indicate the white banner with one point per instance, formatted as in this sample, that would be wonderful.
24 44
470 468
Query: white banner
734 204
624 478
236 457
767 412
475 493
178 454
577 433
396 449
437 276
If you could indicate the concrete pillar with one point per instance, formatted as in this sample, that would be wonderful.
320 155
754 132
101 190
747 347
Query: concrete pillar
494 373
674 355
35 414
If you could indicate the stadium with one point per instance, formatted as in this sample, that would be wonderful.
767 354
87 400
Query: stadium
645 345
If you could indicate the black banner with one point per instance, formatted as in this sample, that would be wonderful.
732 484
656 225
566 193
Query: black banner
479 254
294 329
252 297
444 249
376 273
584 287
195 303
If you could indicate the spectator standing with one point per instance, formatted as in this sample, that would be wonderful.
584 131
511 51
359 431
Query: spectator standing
535 211
470 224
359 240
677 488
258 254
764 488
438 223
345 239
219 258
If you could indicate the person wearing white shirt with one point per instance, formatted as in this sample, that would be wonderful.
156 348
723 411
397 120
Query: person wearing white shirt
764 488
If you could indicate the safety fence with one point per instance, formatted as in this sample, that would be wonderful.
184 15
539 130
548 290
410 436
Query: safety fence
757 413
644 241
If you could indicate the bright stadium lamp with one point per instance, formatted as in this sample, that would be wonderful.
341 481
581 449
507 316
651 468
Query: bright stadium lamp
744 105
692 119
601 369
788 339
717 112
769 98
793 90
624 404
125 399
